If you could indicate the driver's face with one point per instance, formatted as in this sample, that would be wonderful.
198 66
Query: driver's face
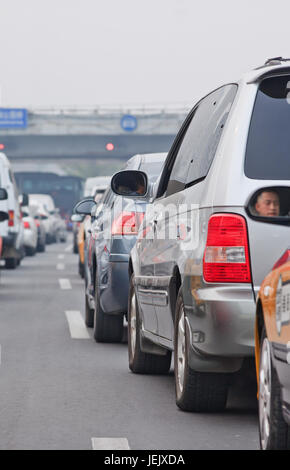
140 189
268 204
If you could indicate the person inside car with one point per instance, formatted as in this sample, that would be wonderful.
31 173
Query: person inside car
268 204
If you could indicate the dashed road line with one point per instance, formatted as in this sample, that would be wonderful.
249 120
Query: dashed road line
65 284
77 327
60 256
110 443
68 248
60 266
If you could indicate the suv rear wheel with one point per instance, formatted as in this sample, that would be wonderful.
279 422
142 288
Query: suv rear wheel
274 432
195 391
139 361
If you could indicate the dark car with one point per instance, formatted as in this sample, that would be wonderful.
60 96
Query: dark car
114 229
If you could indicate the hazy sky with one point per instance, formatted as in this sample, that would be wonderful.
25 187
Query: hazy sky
89 52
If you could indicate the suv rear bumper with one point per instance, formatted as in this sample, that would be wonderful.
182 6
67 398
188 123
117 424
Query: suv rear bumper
221 324
114 285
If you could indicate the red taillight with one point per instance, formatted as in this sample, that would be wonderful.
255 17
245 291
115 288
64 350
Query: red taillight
226 256
11 219
37 223
26 224
127 223
284 259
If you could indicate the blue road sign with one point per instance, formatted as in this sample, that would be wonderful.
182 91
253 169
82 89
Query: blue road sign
129 123
13 118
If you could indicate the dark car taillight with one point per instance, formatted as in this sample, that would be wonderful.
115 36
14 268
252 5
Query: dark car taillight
127 223
226 256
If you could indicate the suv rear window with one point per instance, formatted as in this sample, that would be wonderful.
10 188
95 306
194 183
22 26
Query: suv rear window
268 147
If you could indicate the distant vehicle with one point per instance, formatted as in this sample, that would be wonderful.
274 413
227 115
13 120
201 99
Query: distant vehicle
83 229
40 216
65 190
114 228
57 228
46 201
11 230
273 356
30 235
93 183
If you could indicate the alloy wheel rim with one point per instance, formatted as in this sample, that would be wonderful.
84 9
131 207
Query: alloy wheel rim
265 394
133 323
181 351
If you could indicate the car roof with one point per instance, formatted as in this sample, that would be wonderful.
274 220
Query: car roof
136 161
271 67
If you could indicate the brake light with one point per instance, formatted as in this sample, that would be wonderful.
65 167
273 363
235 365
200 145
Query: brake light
11 219
37 223
26 224
284 259
127 223
226 256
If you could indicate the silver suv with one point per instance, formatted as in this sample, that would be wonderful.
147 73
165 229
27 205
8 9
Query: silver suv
205 244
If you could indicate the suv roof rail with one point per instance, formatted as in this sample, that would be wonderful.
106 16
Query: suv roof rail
276 61
273 61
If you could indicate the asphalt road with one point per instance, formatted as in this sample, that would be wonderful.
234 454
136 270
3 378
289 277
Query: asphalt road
64 392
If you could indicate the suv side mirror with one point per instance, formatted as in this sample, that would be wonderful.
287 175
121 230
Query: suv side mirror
85 206
3 194
3 215
77 218
130 183
24 199
270 205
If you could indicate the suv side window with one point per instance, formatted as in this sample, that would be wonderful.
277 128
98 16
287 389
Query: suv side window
200 142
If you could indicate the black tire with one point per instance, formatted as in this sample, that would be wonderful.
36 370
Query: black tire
11 263
108 328
279 431
89 314
41 248
30 251
139 361
81 270
195 391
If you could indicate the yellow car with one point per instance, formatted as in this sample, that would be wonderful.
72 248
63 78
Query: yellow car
273 356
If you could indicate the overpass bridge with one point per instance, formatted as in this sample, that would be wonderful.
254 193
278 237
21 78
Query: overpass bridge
93 132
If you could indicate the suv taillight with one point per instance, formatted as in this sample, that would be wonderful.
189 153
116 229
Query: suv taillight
226 256
127 223
10 218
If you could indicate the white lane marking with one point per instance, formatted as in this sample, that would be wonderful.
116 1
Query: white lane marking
60 256
60 266
64 284
77 327
110 443
68 248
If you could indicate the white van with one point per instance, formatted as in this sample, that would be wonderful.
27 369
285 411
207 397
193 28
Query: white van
11 230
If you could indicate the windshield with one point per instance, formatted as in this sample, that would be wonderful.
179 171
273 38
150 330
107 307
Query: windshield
268 148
